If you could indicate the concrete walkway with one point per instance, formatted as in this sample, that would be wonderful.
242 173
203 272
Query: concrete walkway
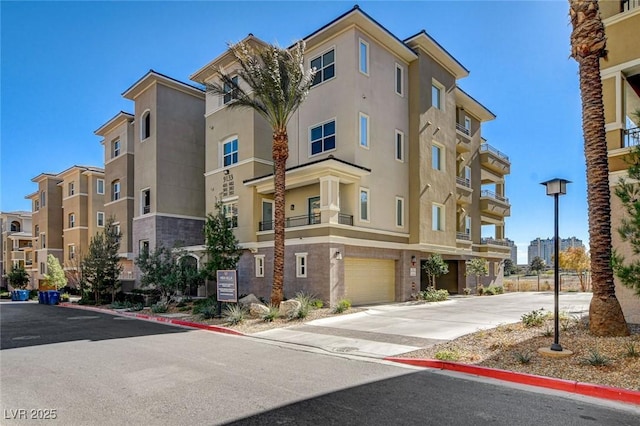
391 330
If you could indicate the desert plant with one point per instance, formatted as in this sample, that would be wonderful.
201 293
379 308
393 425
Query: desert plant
547 332
467 291
596 359
631 351
341 306
523 357
271 314
201 304
433 295
533 318
447 355
234 314
317 303
208 311
159 308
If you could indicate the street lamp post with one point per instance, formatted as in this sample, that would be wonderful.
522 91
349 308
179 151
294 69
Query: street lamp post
556 187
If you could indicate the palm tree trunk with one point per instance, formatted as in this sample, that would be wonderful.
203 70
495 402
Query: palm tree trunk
587 47
280 154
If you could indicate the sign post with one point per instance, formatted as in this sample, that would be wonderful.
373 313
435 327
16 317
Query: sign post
227 288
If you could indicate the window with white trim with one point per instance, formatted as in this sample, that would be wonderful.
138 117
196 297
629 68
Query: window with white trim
399 80
259 265
100 186
115 190
100 219
437 90
301 265
116 227
323 138
230 211
71 189
143 246
467 124
43 199
364 57
72 220
399 145
364 205
230 90
399 212
43 269
145 128
437 217
363 120
145 201
467 225
115 148
36 205
325 66
230 152
72 251
436 157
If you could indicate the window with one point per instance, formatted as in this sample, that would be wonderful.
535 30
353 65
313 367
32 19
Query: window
399 145
72 220
259 259
323 138
364 57
467 175
399 212
230 211
436 95
230 90
115 148
145 128
437 218
43 269
325 67
15 226
230 153
399 80
364 204
101 219
364 130
36 205
467 225
71 189
72 252
144 246
301 265
436 157
267 215
467 124
37 230
43 199
43 241
100 186
115 190
116 227
145 200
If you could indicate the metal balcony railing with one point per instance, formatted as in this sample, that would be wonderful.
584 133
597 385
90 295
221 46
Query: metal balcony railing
345 219
485 147
632 136
463 236
312 219
628 5
146 209
491 194
494 242
462 129
463 181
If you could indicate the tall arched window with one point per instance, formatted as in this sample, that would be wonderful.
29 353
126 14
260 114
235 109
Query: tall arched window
145 129
15 226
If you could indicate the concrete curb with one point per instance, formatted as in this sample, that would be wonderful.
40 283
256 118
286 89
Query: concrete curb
172 321
587 389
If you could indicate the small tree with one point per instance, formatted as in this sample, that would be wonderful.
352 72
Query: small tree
576 259
479 267
434 267
18 278
160 270
223 252
55 275
537 265
509 267
101 267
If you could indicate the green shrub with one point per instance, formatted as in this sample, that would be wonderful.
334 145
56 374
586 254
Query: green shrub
447 355
596 359
208 312
5 295
65 297
181 304
271 314
317 303
136 307
432 295
342 306
234 314
523 358
489 291
201 304
534 318
631 351
467 291
159 308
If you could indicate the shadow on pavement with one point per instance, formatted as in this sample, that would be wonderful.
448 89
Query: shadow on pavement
31 324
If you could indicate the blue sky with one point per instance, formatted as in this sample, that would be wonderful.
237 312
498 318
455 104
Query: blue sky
66 64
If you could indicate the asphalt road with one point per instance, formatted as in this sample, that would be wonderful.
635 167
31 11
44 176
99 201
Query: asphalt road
88 368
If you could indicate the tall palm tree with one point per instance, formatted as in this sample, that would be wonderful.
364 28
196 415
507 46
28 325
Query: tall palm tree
273 82
588 45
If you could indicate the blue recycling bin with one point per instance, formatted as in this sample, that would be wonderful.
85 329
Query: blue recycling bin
23 295
14 295
54 297
43 297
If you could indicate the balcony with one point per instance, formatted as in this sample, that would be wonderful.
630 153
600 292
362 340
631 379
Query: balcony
463 236
492 245
628 5
494 204
463 190
494 160
305 220
632 136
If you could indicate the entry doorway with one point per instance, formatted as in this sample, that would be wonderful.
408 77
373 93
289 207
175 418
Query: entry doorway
314 210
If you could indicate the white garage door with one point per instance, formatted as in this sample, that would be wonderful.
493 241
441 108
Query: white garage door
369 280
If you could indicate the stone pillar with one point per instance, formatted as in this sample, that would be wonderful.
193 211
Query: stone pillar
329 199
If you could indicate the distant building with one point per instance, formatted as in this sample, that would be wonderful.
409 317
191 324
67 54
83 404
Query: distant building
514 251
544 248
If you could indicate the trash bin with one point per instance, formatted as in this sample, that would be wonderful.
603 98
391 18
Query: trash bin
14 295
42 297
23 295
54 297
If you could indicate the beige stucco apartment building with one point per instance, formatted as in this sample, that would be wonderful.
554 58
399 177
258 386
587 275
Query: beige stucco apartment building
620 73
16 241
387 166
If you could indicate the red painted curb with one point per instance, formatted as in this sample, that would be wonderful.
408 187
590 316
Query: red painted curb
587 389
182 323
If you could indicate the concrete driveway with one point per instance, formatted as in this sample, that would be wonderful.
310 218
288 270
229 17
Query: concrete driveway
388 330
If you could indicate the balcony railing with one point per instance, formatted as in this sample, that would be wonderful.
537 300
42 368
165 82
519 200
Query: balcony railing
491 194
345 219
146 209
463 181
494 242
485 147
126 275
462 129
311 219
632 136
463 236
629 4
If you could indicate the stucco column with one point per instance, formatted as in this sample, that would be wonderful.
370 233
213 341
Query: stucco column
329 199
499 232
